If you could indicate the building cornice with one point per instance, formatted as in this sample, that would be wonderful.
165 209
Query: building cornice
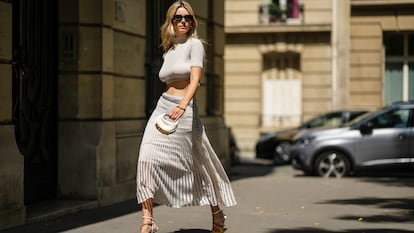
277 28
380 2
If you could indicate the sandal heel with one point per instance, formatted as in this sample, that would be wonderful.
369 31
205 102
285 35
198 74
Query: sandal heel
154 227
220 226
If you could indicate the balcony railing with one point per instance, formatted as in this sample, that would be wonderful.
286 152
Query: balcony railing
290 13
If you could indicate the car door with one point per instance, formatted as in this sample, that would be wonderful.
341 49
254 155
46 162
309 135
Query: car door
388 143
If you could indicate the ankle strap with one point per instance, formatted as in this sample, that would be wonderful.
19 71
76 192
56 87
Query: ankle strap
217 212
148 218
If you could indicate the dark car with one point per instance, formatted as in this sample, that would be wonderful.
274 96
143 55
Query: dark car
383 139
233 148
276 146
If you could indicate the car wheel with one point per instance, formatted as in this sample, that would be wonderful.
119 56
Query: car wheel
281 153
332 164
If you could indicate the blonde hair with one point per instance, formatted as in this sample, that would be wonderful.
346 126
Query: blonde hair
167 29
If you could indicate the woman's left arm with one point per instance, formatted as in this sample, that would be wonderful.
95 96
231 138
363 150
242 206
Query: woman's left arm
195 77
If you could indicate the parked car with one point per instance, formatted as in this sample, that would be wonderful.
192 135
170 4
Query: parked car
233 148
276 146
381 139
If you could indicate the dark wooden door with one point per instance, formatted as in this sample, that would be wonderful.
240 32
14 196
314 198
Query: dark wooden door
35 95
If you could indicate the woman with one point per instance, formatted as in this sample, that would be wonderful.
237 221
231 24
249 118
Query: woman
181 168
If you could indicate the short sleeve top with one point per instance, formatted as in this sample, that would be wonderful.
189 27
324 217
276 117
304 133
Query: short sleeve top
179 59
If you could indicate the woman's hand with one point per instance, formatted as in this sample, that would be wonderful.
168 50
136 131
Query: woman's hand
177 112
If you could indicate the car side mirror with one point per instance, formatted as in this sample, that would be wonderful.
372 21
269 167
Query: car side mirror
366 128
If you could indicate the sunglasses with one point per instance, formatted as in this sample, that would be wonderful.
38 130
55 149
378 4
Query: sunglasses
187 18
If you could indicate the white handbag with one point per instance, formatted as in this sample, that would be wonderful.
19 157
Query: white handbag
165 124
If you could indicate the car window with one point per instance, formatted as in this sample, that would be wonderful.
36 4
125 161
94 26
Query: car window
355 115
357 119
334 119
393 119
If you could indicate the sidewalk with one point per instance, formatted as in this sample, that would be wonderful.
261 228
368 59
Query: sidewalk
270 200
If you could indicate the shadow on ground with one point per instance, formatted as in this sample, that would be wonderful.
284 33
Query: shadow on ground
251 168
402 209
404 178
315 230
396 179
192 231
80 219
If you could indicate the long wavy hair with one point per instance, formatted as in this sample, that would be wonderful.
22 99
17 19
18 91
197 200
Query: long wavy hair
167 29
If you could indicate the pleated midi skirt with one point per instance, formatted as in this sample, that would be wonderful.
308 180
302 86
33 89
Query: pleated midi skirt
180 169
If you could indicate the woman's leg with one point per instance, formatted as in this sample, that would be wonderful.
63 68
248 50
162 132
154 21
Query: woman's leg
218 219
147 220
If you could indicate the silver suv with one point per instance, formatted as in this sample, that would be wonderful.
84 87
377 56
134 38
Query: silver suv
384 138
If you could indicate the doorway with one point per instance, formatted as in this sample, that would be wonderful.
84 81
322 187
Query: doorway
153 52
281 90
35 95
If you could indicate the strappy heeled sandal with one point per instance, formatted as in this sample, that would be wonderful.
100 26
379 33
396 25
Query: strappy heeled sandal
151 222
221 225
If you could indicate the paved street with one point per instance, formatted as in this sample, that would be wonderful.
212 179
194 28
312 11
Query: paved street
270 200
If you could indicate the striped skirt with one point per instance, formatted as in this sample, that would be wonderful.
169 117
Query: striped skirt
180 169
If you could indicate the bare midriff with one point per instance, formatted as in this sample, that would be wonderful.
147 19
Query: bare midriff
177 88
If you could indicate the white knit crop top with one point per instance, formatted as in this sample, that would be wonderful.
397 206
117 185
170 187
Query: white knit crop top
179 59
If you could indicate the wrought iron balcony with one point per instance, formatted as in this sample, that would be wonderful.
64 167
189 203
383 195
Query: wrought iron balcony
289 13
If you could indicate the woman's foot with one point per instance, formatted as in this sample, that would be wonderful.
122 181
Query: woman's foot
218 222
148 225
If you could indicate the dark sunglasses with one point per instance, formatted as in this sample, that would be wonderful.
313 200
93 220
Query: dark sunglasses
187 18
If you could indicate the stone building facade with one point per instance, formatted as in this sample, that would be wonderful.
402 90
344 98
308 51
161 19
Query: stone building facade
290 60
78 80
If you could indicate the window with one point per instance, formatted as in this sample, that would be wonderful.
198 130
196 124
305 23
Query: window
399 67
281 87
392 119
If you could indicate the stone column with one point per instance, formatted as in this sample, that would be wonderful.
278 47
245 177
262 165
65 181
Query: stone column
340 41
12 209
101 97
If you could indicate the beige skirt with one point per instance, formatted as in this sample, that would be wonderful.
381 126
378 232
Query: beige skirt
180 169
